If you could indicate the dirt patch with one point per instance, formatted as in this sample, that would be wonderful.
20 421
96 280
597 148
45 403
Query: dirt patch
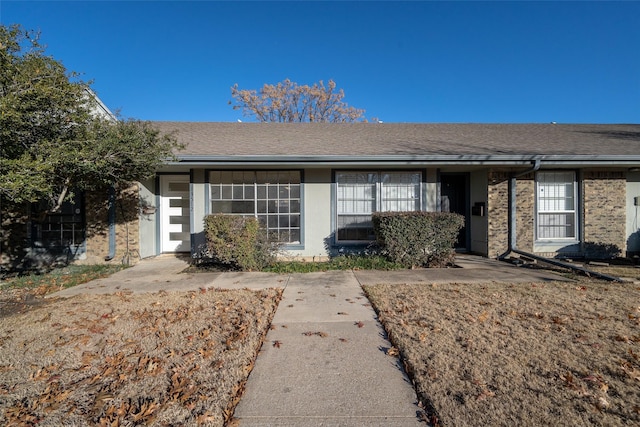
20 300
123 359
526 354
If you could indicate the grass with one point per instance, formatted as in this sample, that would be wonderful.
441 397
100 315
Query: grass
627 271
346 262
528 354
124 359
59 278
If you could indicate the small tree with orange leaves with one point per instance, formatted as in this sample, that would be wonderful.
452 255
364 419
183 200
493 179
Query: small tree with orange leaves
290 102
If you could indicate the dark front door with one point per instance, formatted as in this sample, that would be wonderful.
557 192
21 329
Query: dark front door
454 197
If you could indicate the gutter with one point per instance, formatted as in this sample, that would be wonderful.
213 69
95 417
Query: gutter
112 224
489 159
513 237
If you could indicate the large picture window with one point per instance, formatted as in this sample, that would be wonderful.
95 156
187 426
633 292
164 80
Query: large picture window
556 205
271 196
359 194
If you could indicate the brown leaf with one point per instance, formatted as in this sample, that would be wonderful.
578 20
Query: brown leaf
359 324
320 334
277 344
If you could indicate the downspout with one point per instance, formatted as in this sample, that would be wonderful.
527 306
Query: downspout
512 233
112 224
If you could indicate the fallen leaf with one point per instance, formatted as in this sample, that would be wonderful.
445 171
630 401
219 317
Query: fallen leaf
393 352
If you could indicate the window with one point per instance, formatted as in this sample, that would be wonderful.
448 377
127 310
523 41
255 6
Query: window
556 205
60 232
359 194
271 196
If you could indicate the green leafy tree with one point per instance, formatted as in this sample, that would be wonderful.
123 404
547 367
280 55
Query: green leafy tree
53 138
289 102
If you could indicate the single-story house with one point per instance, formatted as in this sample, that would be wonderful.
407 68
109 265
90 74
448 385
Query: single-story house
554 190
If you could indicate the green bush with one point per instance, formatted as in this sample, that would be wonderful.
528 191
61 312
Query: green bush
418 239
238 242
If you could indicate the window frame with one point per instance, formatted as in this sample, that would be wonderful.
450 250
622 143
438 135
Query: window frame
539 201
377 199
256 200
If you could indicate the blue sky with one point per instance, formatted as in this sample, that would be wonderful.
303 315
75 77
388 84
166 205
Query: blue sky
499 62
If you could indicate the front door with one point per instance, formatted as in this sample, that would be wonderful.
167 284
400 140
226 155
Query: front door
175 223
454 197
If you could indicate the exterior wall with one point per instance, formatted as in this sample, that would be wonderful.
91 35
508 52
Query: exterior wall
148 218
432 193
317 212
606 205
603 214
525 212
497 213
633 214
127 226
604 195
199 209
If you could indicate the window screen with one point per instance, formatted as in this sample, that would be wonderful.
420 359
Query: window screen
556 205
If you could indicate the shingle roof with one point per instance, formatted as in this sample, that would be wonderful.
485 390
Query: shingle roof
203 139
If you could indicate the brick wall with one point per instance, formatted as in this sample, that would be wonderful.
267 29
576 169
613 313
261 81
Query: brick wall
603 216
525 195
497 213
604 194
127 226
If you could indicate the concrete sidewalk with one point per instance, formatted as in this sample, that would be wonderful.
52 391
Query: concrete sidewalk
167 273
324 362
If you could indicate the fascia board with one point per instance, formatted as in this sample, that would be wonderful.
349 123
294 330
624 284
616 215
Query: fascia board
435 160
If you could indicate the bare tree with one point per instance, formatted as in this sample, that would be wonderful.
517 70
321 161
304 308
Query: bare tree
289 102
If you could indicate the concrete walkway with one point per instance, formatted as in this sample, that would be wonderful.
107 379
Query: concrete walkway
324 361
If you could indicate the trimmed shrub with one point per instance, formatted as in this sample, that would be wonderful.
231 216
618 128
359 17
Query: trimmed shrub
602 251
238 242
418 239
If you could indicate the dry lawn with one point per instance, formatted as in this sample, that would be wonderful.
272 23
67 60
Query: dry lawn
123 360
527 354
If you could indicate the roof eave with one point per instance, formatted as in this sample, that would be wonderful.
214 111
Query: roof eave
390 160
